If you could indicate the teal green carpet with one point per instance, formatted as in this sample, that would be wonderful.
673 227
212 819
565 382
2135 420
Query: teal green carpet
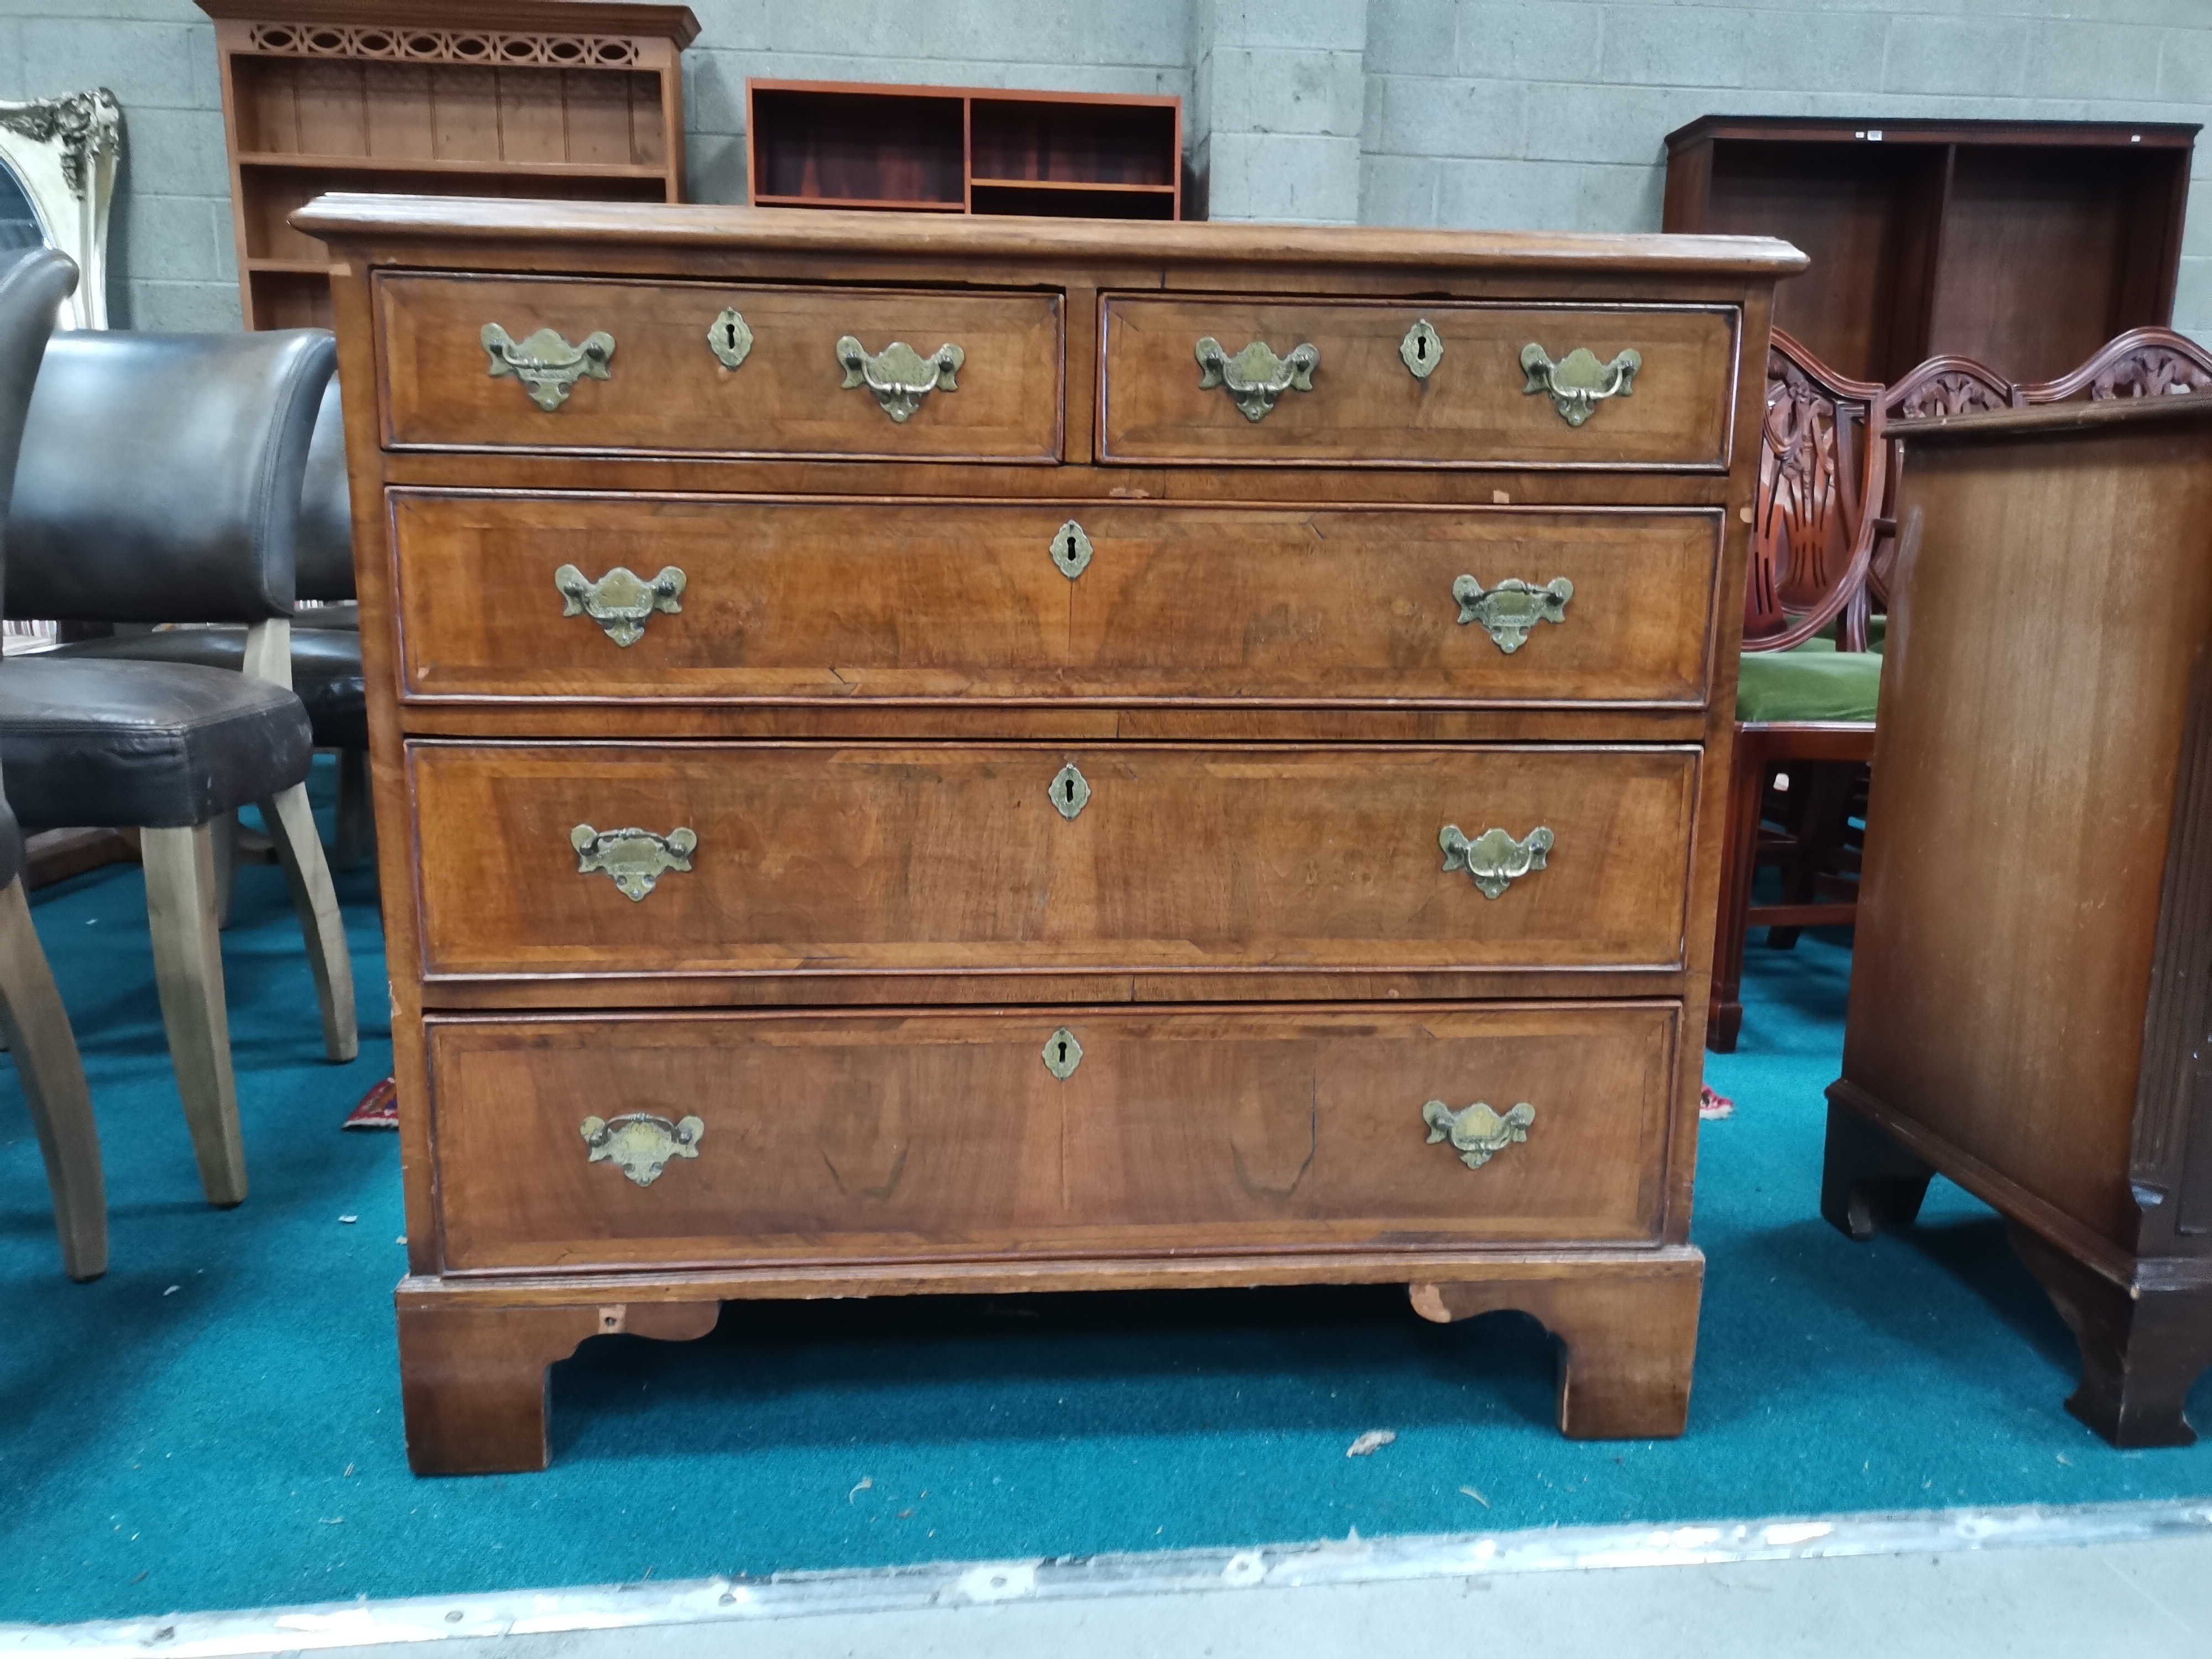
216 1423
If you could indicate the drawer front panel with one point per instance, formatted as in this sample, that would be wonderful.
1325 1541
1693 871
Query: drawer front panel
660 386
839 599
941 1134
1366 406
878 857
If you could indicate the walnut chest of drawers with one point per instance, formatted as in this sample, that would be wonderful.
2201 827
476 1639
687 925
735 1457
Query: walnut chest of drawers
915 755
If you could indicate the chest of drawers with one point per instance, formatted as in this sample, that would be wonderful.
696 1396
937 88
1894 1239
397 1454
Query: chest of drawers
916 756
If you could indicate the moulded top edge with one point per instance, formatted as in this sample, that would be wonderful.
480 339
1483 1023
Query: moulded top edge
486 220
2053 418
625 17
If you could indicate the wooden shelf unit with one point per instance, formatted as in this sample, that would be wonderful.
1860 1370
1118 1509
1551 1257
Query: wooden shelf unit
963 149
2025 244
570 99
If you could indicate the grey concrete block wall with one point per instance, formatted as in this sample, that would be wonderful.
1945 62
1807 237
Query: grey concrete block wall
1477 114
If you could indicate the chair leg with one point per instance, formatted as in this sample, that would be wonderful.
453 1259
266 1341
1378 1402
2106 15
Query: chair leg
188 972
1739 856
291 824
356 840
224 829
37 1028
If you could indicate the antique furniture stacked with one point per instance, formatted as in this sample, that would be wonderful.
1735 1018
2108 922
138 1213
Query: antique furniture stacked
567 98
963 149
2024 244
2029 1010
922 755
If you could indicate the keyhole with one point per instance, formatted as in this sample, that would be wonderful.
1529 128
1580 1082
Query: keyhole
729 336
1067 793
1062 1054
1421 347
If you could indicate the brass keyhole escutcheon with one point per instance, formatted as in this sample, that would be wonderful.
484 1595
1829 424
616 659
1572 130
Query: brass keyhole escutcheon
1062 1054
729 339
1071 549
1422 349
1070 792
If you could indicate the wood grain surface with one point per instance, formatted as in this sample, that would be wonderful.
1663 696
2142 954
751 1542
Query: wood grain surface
666 390
825 600
1366 406
953 858
882 1136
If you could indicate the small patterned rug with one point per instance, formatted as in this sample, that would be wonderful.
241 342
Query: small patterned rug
378 1109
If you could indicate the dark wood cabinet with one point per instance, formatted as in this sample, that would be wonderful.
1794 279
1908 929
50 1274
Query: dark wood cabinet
2026 245
579 100
964 150
2029 1007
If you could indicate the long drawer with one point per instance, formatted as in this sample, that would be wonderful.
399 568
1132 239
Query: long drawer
556 363
1238 380
795 856
630 1139
689 597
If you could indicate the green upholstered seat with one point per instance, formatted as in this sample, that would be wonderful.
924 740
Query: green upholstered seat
1810 682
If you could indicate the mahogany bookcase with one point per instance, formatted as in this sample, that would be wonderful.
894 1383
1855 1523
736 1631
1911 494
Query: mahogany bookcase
963 149
2025 245
578 100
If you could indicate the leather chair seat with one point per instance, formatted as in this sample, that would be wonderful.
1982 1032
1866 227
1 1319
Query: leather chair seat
155 746
326 669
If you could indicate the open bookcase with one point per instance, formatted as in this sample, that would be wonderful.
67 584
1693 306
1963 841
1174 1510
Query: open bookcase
963 149
2024 244
542 98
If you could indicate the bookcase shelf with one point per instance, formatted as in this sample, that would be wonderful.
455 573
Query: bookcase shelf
963 149
575 99
2025 244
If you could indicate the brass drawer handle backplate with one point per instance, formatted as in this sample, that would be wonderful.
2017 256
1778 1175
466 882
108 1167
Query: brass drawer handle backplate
641 1143
633 860
621 602
1493 860
1509 611
1256 377
547 364
1578 383
1478 1134
900 376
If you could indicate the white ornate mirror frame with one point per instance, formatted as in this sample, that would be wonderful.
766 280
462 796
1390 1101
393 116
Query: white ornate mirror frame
62 153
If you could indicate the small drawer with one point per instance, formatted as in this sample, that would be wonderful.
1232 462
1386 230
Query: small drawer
557 364
843 601
1336 383
699 858
635 1139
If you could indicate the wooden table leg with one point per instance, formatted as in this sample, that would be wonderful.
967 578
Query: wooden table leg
2143 1350
1868 1182
472 1376
1628 1339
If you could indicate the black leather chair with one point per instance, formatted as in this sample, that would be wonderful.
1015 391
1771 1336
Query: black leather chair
325 658
33 285
160 482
